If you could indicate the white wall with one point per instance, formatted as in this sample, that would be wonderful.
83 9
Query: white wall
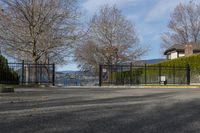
174 55
181 54
169 56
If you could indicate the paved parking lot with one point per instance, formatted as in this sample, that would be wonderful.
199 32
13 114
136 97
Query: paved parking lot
100 110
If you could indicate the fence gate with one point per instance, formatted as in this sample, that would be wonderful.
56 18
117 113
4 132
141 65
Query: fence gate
27 73
143 75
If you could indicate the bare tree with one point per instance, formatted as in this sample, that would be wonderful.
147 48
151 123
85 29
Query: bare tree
38 30
88 55
184 25
111 40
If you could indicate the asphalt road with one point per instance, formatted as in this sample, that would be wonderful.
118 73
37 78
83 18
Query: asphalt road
100 110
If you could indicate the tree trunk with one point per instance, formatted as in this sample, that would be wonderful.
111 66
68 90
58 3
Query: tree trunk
34 71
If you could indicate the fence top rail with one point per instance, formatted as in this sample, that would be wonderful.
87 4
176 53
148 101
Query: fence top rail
38 64
12 63
140 66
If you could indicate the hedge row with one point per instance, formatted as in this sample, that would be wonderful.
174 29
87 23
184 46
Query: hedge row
193 61
168 68
7 75
123 77
152 75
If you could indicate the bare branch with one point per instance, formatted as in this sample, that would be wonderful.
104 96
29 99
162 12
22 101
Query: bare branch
184 25
111 40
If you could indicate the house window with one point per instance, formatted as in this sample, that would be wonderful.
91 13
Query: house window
169 56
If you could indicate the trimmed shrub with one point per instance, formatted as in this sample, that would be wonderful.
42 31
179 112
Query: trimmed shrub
7 75
171 69
193 61
125 76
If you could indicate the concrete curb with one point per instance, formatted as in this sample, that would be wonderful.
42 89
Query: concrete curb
6 90
145 87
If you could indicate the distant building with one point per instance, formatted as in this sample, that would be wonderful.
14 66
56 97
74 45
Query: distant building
180 50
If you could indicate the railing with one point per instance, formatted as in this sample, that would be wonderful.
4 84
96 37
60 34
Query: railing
27 73
143 75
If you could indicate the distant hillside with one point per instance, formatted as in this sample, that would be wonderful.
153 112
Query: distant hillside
69 72
83 73
153 61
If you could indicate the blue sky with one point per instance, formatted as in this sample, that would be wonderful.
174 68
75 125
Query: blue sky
150 18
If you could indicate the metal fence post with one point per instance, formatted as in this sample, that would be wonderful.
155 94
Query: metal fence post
121 67
111 72
159 73
53 76
145 73
131 75
100 74
22 82
174 75
188 74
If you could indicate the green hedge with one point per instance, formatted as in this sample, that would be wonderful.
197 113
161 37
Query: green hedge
193 61
7 75
167 69
123 77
